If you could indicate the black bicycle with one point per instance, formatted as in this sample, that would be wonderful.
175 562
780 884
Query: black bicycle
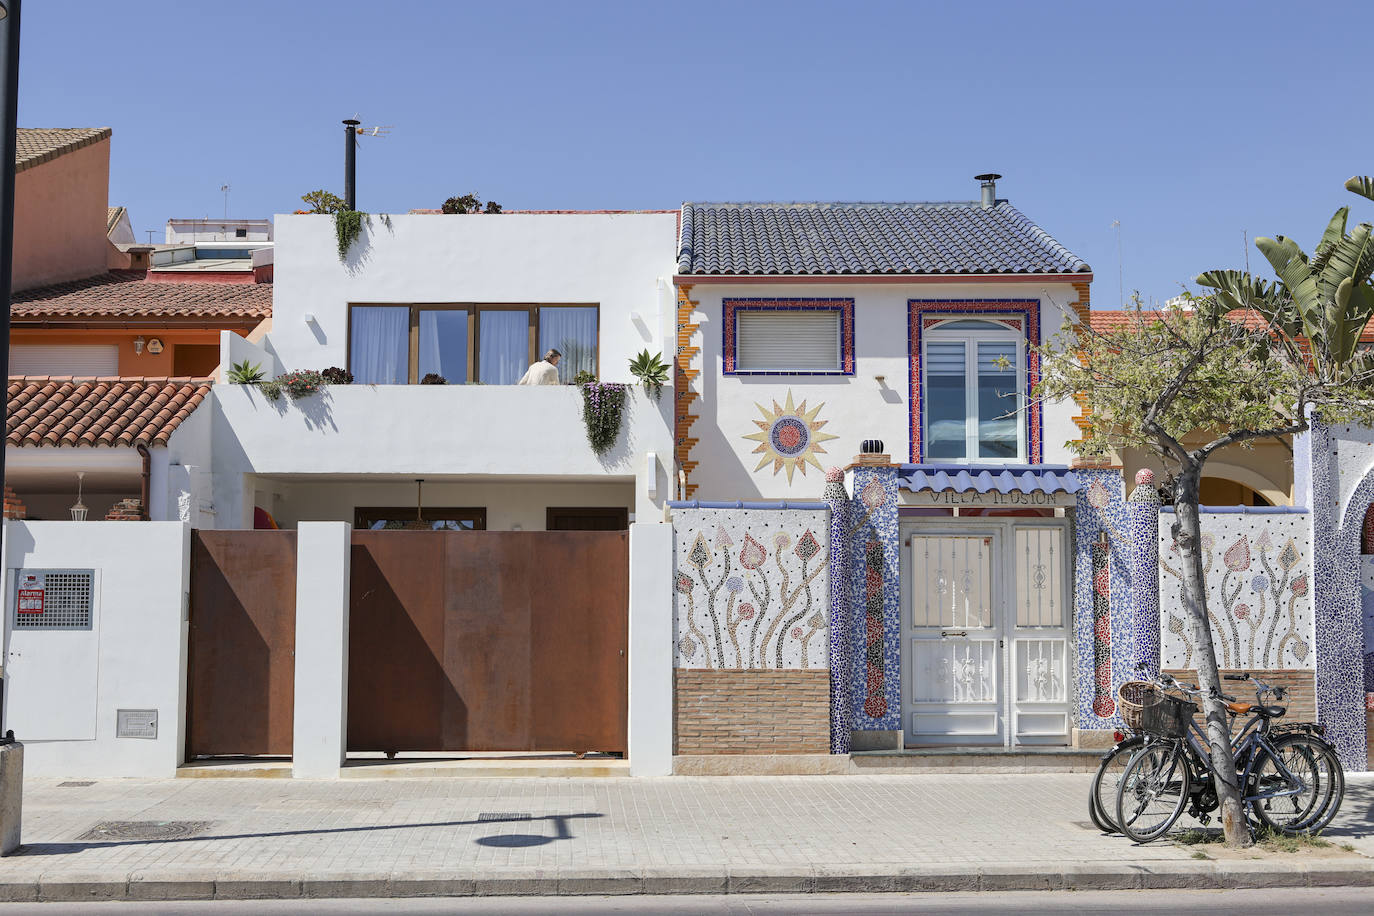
1291 779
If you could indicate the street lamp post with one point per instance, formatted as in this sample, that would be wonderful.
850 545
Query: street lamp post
9 98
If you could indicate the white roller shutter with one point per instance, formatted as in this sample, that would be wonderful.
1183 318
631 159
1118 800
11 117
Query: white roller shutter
83 361
787 341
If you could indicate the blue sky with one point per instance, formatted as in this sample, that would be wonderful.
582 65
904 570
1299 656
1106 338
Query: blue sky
1190 123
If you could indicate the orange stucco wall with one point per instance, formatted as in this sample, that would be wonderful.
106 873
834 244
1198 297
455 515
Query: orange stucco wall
130 363
59 217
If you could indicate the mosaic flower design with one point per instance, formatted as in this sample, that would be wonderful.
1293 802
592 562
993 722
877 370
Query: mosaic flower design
1300 586
723 540
747 611
700 554
1289 556
1259 583
789 437
683 583
782 540
873 494
1237 556
1097 495
752 554
807 546
1242 611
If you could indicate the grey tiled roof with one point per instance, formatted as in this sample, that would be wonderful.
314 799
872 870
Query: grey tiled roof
35 145
788 239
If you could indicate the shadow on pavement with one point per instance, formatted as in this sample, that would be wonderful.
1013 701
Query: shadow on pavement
517 840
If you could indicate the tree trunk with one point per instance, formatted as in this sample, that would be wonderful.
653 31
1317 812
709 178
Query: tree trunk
1187 530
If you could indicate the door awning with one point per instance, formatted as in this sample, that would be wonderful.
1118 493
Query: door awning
961 478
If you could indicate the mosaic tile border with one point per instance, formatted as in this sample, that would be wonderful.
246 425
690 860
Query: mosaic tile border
730 309
1027 310
874 596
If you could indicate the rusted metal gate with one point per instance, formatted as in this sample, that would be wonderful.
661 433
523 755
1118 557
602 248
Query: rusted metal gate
242 665
488 641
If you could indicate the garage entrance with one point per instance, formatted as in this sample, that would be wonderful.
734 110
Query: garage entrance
488 641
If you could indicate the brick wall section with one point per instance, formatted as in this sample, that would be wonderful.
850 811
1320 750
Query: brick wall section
1302 689
126 510
754 711
14 506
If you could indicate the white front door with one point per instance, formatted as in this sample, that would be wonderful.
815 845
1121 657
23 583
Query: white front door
984 634
953 689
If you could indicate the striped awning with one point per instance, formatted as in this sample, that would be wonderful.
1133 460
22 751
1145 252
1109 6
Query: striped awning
1024 478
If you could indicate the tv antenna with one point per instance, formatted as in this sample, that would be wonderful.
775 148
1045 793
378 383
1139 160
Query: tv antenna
225 189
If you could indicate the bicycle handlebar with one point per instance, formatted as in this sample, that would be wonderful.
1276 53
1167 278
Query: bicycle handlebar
1261 688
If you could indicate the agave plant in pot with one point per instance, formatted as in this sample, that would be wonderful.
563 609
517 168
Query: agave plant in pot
651 371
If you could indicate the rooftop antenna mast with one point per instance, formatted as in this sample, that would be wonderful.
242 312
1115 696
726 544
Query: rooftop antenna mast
1120 271
353 132
225 189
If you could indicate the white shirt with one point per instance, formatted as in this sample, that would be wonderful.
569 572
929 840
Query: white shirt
541 373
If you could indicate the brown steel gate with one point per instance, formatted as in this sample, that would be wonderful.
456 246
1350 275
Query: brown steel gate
242 666
488 641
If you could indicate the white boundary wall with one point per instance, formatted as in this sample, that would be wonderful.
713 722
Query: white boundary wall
137 644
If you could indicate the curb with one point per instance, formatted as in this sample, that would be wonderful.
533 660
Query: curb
144 885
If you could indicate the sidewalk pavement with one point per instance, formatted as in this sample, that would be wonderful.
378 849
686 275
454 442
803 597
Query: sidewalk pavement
240 838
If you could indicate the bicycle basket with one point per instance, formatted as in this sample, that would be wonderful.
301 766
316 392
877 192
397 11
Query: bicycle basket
1167 717
1132 697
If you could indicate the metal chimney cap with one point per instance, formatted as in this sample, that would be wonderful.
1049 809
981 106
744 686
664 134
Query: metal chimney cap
354 122
987 176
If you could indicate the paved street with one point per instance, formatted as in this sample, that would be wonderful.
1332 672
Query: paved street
495 834
1281 902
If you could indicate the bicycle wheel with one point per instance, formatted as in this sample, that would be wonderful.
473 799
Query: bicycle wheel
1327 774
1286 788
1153 791
1102 794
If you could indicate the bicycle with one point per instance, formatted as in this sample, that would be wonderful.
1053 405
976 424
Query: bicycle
1297 770
1132 697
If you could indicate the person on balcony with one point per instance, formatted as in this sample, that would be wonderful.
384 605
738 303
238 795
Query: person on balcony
544 372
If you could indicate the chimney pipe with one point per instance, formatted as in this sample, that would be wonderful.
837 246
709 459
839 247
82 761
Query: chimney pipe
350 164
989 186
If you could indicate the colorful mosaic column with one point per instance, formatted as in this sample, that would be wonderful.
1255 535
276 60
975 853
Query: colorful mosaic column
874 596
841 667
1142 530
1338 509
1103 639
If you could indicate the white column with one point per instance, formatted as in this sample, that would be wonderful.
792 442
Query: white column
651 649
321 714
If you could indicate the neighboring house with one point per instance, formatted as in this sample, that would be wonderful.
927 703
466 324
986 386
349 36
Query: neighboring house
810 333
192 231
118 228
1258 474
61 205
475 299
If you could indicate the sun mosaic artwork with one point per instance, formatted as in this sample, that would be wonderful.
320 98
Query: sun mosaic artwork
789 437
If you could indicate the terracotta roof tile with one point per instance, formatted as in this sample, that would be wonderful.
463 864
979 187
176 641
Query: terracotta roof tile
60 411
36 145
128 294
1106 321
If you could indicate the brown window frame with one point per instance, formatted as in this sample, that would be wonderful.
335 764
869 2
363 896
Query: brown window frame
361 514
474 311
620 514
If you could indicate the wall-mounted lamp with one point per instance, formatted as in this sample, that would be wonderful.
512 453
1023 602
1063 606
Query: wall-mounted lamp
651 475
309 317
79 509
138 345
155 346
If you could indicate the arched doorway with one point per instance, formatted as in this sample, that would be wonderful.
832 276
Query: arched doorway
1220 491
1367 612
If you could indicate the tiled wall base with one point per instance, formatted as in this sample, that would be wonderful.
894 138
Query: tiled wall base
751 711
1094 739
1302 689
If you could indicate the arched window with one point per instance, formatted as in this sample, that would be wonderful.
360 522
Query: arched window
975 382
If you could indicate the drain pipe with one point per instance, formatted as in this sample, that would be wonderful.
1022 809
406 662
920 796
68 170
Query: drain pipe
145 479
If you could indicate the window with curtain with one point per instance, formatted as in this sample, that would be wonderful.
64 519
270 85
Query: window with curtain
467 343
572 331
787 340
379 344
444 344
973 378
503 345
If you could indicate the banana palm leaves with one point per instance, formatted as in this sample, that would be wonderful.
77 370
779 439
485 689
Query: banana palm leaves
1327 298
